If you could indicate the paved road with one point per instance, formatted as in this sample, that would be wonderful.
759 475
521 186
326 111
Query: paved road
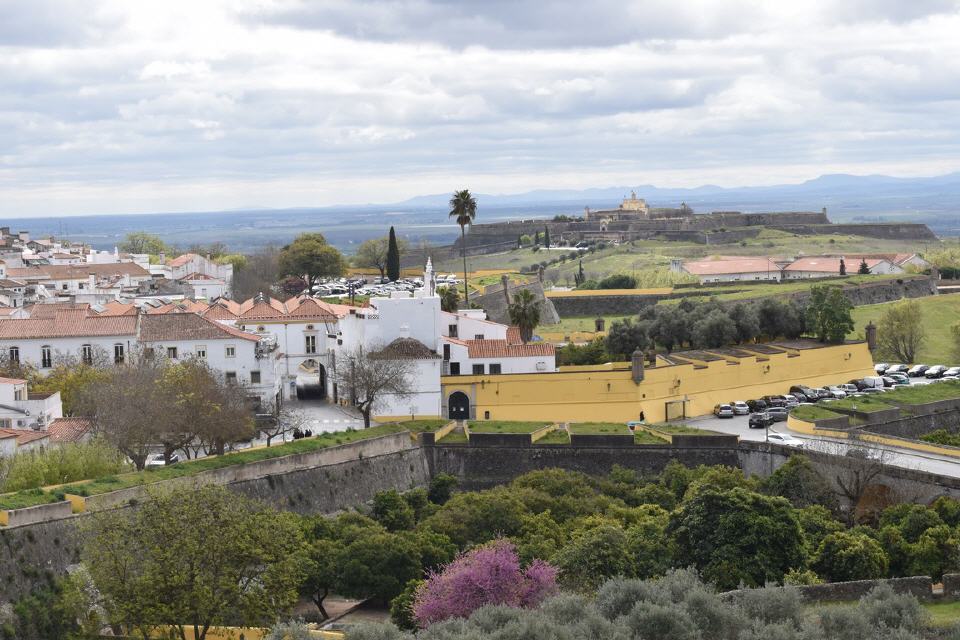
894 456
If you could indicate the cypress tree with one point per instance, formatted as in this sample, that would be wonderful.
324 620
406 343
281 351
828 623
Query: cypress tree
546 237
393 257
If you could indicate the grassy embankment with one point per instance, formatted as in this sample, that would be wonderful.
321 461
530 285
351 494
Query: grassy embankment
938 313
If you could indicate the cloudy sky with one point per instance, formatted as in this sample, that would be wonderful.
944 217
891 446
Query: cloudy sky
118 106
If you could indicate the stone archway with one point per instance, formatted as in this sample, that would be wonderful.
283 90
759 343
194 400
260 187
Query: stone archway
458 406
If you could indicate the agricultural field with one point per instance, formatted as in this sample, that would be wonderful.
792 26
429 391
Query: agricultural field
938 313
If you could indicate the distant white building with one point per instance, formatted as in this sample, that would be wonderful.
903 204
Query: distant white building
208 279
731 269
828 266
21 409
764 269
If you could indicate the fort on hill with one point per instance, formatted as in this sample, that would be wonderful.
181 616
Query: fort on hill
634 219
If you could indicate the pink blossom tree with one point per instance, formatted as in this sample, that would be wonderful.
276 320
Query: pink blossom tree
490 574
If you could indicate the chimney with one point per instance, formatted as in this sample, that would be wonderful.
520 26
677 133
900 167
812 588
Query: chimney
871 334
636 366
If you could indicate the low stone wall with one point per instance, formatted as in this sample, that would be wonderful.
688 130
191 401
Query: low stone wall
871 417
892 231
920 587
601 305
40 513
693 441
601 440
842 422
499 439
913 427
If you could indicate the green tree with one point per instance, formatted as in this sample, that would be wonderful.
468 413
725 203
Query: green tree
449 299
546 237
310 257
716 329
670 327
801 484
393 257
392 511
845 555
378 565
143 242
626 336
817 523
463 208
618 281
592 556
195 559
746 320
738 536
321 569
524 313
864 268
828 314
401 607
441 487
372 254
476 517
900 333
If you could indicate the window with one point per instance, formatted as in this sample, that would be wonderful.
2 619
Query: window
172 353
231 351
81 285
86 354
446 352
18 395
118 353
495 368
478 369
478 336
14 354
201 351
231 376
311 346
46 357
454 368
64 286
5 423
254 377
452 330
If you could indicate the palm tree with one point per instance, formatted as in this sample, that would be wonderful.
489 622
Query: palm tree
524 313
464 208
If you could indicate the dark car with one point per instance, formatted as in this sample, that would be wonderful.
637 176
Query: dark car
760 420
936 371
775 401
757 406
804 394
823 393
897 368
889 381
860 384
777 414
918 370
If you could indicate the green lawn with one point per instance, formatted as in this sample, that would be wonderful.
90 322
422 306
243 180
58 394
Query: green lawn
419 426
599 428
919 394
683 429
504 426
938 313
454 437
558 436
192 467
812 413
943 614
644 437
864 404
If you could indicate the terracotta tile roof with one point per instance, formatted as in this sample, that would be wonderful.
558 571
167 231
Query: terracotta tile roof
503 349
23 436
197 276
187 326
179 261
730 264
71 323
83 271
180 306
407 349
221 311
513 335
7 283
116 308
823 264
50 310
12 381
462 343
261 307
69 429
306 307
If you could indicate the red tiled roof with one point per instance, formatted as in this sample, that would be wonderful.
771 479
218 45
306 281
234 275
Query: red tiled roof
187 326
116 308
822 264
218 311
261 308
503 349
23 436
180 306
71 323
513 335
306 307
179 261
197 276
730 264
50 310
69 429
12 381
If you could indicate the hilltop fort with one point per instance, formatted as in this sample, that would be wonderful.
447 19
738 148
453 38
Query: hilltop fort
634 219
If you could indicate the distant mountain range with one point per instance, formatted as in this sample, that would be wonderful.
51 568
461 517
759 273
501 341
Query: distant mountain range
934 201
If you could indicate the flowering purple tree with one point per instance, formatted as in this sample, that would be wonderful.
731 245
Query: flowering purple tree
490 574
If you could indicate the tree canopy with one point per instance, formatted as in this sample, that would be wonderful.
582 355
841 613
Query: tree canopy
310 257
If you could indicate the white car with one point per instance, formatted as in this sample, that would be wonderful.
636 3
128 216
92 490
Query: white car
740 408
156 460
837 392
784 439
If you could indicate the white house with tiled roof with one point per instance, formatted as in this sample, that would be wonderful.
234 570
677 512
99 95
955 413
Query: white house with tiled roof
24 410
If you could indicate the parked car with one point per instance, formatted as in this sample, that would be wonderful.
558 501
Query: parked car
888 381
917 370
837 392
952 371
848 388
757 406
740 408
792 400
723 411
881 368
784 439
823 393
899 378
778 414
936 371
869 390
760 421
775 401
897 368
804 394
156 460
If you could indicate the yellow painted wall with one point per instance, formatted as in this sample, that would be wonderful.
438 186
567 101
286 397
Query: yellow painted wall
603 394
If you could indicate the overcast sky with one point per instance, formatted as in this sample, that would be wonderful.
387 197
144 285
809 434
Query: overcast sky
120 106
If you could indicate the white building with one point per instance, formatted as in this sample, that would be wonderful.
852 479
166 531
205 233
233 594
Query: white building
730 269
208 279
828 266
21 409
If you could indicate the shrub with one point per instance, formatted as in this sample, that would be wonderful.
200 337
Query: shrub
846 556
884 607
650 621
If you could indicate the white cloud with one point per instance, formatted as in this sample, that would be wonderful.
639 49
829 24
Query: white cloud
233 107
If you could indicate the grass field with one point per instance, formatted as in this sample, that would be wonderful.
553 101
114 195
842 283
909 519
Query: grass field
812 413
599 428
938 313
683 430
503 426
558 436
